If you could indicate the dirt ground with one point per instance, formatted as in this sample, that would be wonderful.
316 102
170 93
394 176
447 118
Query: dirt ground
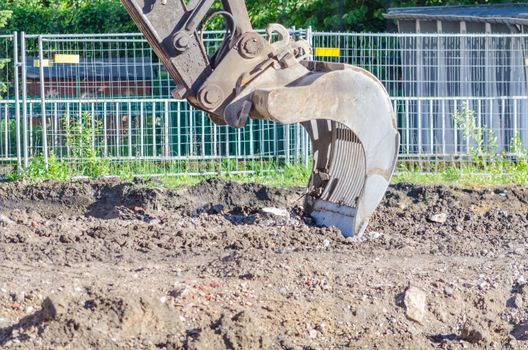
114 265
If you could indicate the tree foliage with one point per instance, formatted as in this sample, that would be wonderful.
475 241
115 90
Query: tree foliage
67 16
109 16
4 17
338 15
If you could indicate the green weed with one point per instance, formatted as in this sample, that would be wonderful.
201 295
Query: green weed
286 176
37 171
484 167
81 141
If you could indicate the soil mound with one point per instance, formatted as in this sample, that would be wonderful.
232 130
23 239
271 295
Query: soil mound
131 265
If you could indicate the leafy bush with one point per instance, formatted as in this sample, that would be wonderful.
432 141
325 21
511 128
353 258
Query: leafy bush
483 146
81 141
36 170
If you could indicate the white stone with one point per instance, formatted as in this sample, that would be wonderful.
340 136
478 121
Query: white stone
373 235
438 218
521 280
414 302
275 211
5 220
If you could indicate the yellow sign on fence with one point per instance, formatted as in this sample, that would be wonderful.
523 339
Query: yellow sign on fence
328 51
45 63
63 58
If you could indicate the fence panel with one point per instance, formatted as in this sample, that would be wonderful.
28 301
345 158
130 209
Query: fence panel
9 143
435 78
152 137
7 86
441 85
117 85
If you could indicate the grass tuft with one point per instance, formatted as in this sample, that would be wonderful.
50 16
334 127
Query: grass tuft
287 176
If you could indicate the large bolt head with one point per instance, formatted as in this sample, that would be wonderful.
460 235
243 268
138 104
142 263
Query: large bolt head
251 45
182 41
211 96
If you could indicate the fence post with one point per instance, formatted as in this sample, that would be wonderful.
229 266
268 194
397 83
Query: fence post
309 38
307 143
251 145
43 102
129 127
16 67
24 98
166 130
296 143
287 142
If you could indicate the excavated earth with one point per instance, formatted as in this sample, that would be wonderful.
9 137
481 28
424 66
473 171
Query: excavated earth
115 265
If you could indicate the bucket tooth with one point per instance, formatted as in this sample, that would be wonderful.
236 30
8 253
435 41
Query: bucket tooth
350 120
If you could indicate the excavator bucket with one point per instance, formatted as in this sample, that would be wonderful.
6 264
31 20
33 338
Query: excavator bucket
345 109
350 120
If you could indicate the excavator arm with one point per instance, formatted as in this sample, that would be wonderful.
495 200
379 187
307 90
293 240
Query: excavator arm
345 110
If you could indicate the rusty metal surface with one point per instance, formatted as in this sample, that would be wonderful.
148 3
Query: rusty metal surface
160 22
345 109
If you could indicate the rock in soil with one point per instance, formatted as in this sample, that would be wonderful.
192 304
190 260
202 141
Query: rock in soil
438 218
281 212
472 333
276 215
414 301
108 264
517 301
520 331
